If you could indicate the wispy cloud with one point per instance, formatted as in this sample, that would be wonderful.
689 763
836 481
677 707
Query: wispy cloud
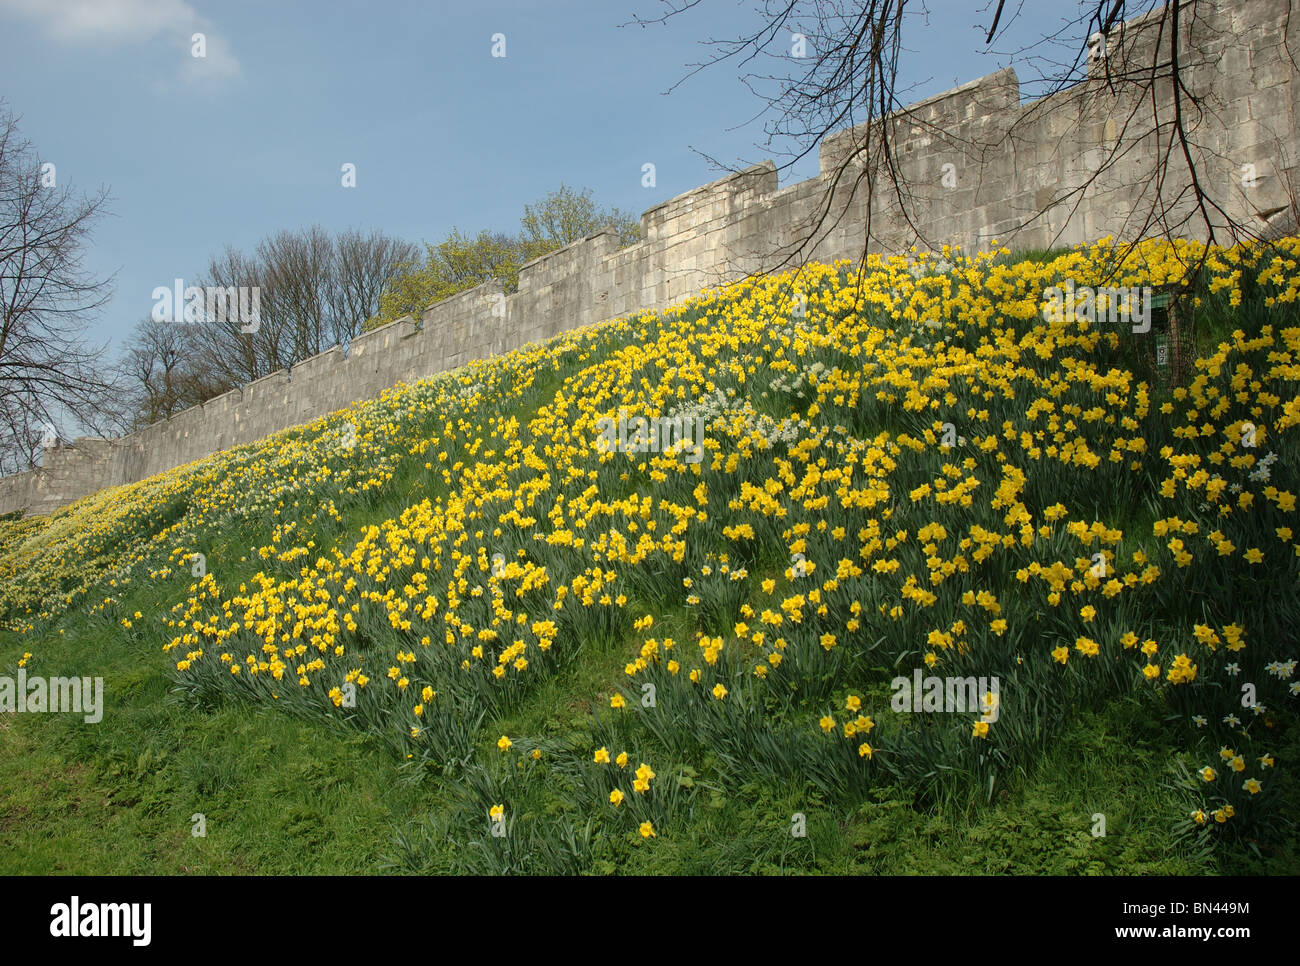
117 23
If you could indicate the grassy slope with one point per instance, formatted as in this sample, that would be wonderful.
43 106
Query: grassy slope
283 795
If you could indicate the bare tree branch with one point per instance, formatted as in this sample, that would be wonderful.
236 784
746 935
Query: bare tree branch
50 377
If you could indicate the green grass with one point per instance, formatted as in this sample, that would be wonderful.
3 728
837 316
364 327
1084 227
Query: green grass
118 797
281 795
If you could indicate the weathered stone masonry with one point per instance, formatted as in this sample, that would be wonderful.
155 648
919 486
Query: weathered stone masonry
1010 161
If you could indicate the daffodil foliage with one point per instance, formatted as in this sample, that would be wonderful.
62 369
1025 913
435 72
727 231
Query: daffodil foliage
908 466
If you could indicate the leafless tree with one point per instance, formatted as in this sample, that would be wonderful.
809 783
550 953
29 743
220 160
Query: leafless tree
49 375
299 281
314 291
163 373
226 354
365 264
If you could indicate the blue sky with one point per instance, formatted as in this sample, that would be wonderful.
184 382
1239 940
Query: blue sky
203 153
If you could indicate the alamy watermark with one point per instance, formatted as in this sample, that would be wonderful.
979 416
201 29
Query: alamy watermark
54 695
946 694
1108 304
213 303
658 434
76 919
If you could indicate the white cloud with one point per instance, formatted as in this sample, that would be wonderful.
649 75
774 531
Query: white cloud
168 23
